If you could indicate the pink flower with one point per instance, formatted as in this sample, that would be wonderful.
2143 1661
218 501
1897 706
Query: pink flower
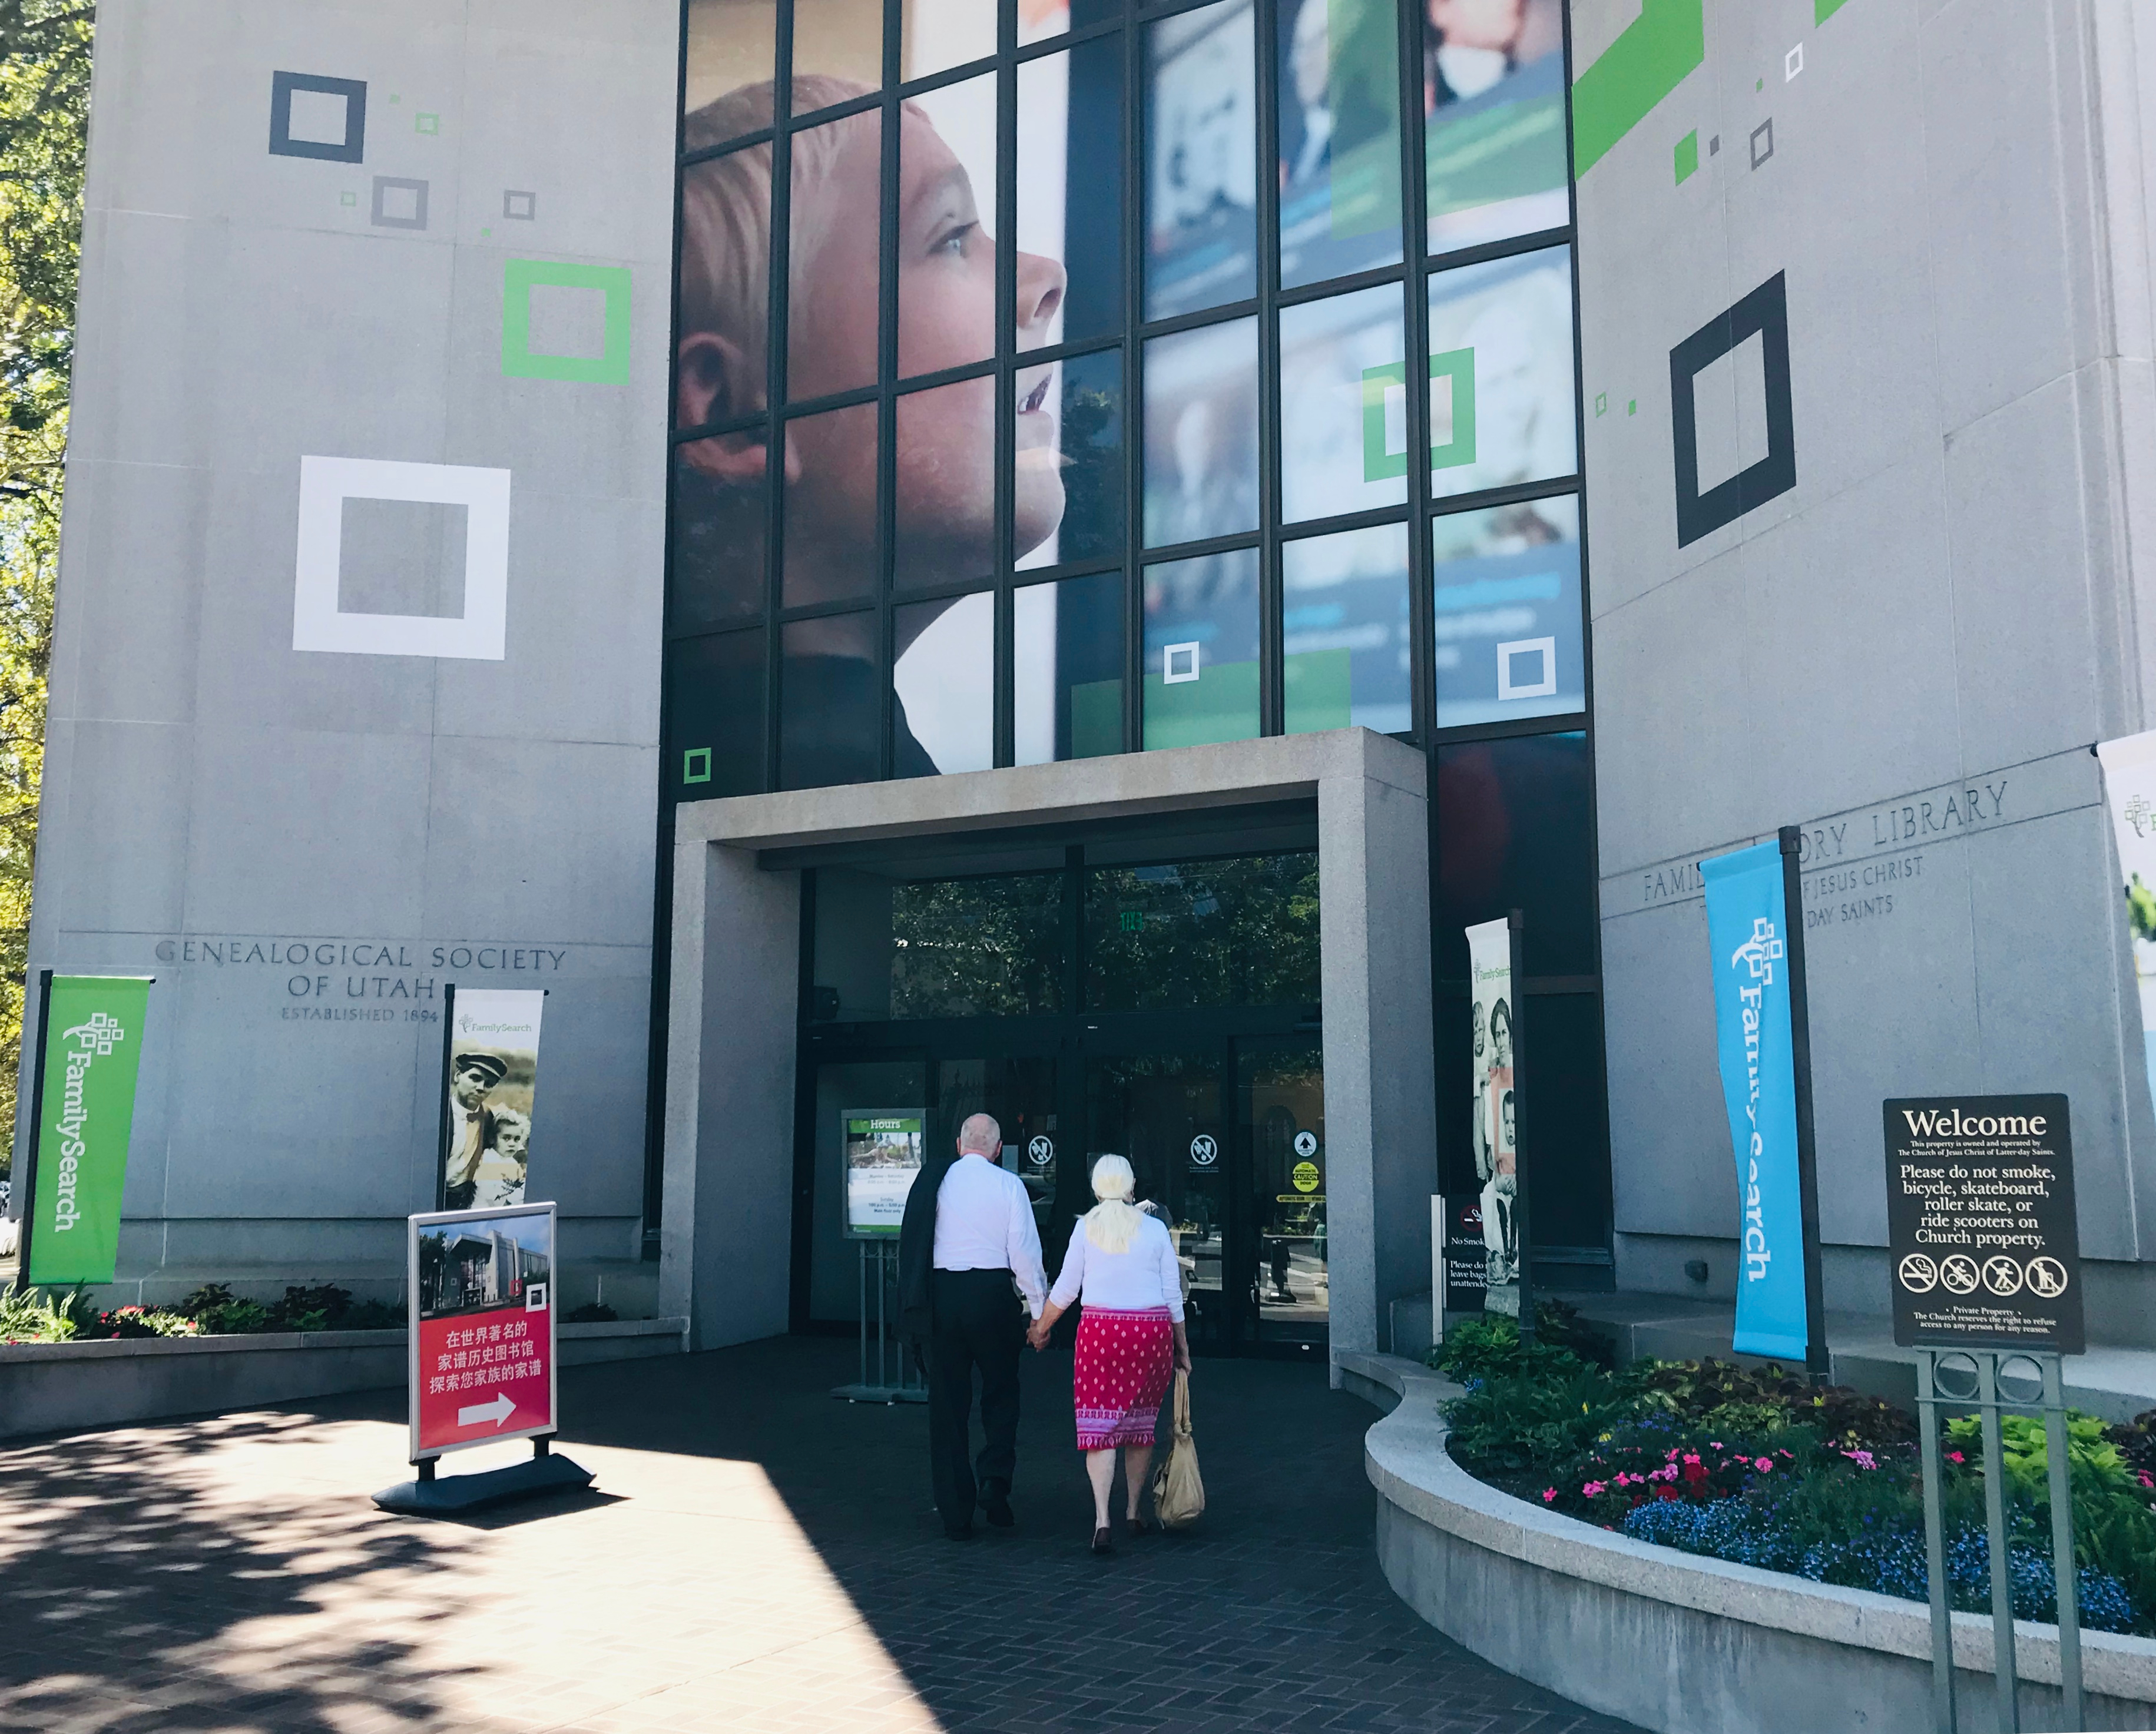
2146 1480
1765 1465
1955 1457
1592 1490
1549 1496
1862 1460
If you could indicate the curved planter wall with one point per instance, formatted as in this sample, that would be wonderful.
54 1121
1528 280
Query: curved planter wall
1672 1641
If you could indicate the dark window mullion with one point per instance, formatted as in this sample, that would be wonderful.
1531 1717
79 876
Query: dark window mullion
774 390
1271 698
1004 752
1414 135
883 677
1135 94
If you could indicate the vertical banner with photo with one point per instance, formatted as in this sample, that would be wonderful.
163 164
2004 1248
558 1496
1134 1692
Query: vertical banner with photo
481 1285
2129 785
89 1050
1495 1133
1748 930
491 1072
884 1152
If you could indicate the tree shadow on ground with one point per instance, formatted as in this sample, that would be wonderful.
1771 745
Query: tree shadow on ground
140 1592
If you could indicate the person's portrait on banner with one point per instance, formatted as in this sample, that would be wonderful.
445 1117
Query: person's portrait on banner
493 1080
2129 783
1496 1149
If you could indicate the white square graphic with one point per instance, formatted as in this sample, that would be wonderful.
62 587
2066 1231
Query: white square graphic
1170 674
1507 688
480 634
319 117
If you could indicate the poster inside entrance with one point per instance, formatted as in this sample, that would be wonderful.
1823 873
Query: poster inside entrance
1494 1141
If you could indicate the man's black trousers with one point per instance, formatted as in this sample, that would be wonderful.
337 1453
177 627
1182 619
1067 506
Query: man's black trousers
979 1322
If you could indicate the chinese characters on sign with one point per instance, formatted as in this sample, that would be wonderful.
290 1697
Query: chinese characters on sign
482 1327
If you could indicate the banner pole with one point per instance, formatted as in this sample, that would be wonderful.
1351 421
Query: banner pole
29 1209
1515 923
2065 1577
442 1094
1817 1364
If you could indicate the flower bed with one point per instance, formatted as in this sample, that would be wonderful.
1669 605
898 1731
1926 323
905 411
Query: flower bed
1761 1469
37 1315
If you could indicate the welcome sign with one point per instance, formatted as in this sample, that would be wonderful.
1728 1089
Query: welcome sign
1748 927
90 1049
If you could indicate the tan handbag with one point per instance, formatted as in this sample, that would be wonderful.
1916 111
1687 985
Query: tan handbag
1179 1494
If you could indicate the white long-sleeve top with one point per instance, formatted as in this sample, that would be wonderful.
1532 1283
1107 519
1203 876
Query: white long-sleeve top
984 1221
1146 1276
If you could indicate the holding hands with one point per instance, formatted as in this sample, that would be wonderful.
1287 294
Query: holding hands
1036 1333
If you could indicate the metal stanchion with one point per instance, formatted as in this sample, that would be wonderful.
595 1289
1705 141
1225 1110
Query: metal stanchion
1987 1379
881 1257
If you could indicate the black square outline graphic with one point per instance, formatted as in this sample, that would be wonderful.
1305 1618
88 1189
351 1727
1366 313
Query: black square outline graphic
282 84
1765 310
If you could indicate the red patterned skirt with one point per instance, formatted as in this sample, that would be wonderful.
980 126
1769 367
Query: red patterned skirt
1124 1362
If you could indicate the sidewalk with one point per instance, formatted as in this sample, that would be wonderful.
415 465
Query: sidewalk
2115 1384
757 1557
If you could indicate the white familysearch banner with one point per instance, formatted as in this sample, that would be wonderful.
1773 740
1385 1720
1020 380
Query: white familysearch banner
2129 784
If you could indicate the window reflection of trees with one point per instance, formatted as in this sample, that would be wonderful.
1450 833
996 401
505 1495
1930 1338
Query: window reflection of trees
1227 932
977 948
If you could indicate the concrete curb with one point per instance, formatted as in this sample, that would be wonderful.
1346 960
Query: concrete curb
1563 1572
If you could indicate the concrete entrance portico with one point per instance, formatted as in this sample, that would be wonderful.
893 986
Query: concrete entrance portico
735 985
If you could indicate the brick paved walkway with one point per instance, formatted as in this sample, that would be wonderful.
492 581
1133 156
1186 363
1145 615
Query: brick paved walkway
758 1557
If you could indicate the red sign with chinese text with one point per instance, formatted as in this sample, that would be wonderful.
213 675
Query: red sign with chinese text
486 1375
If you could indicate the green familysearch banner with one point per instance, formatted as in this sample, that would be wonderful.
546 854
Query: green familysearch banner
92 1031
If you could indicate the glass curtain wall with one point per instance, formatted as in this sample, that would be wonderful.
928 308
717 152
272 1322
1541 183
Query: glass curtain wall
1050 376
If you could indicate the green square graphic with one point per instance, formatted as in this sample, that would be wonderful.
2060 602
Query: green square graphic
347 198
427 123
520 277
1822 10
1632 408
696 765
1687 156
1379 463
1602 402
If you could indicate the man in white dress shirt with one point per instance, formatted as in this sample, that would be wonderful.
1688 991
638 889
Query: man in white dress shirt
971 1281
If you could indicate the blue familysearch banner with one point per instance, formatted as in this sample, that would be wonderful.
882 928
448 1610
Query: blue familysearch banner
1747 927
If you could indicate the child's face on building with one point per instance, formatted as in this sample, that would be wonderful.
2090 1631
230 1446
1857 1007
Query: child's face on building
946 298
1479 23
510 1139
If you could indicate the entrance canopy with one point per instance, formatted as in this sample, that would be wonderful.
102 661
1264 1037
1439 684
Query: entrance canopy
737 972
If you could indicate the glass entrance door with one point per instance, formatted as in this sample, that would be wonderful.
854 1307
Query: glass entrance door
1163 1112
1280 1089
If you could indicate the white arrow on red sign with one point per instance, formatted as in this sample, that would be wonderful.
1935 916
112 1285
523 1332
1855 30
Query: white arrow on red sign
497 1412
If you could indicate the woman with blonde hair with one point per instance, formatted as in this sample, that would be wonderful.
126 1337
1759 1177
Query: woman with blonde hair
1121 1266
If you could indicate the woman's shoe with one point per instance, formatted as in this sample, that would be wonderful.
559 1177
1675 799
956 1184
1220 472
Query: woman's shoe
1136 1526
1104 1539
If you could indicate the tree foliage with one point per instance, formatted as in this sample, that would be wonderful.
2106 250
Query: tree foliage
44 113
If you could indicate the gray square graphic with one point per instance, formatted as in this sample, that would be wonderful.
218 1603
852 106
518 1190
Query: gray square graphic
520 207
1762 141
398 202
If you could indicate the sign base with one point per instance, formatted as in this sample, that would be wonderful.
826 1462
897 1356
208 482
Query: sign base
882 1393
453 1495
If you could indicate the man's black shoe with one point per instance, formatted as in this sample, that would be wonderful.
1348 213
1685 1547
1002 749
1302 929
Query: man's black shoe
959 1531
995 1501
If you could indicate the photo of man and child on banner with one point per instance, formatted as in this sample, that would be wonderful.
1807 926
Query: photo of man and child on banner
493 1072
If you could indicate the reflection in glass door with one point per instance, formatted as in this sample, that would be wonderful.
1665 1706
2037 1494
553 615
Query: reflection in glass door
1021 1093
1280 1111
1162 1111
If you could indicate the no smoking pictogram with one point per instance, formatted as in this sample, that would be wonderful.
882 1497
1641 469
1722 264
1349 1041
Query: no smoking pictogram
1919 1275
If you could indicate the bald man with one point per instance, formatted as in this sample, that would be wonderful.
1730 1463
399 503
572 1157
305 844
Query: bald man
970 1281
